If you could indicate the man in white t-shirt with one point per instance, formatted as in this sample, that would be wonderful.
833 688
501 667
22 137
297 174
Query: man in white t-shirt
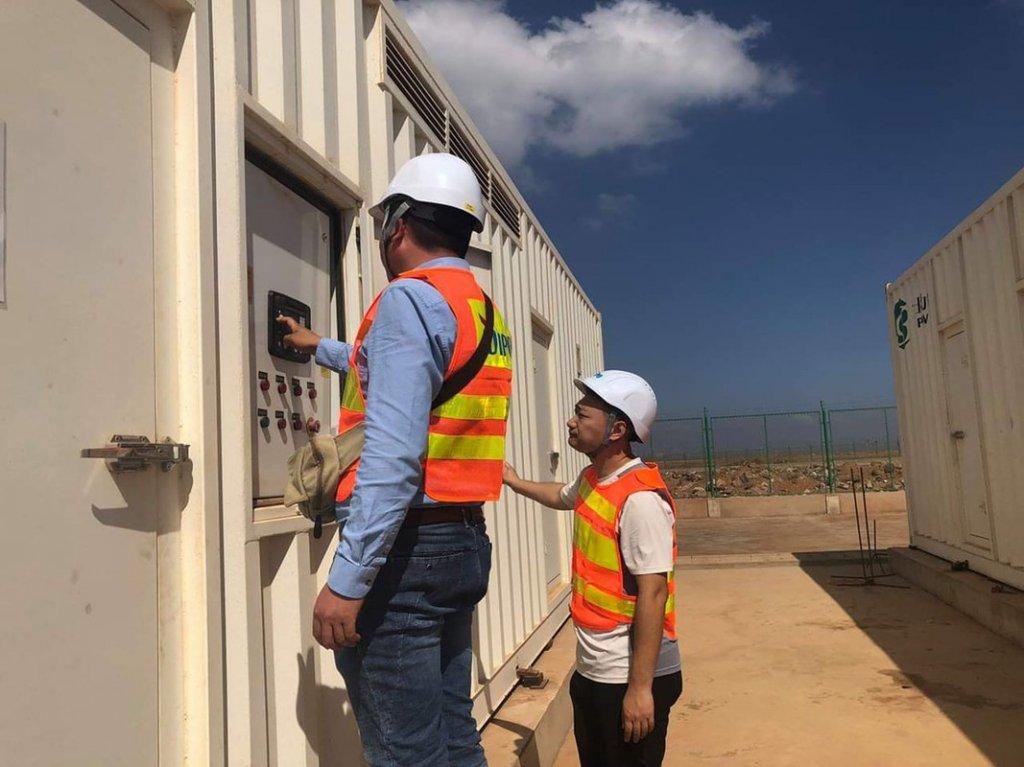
628 671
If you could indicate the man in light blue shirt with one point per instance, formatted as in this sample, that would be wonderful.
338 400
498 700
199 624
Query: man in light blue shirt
398 604
405 355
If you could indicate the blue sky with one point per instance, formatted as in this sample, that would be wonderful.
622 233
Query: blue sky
736 230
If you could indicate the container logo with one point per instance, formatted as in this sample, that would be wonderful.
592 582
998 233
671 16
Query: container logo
900 318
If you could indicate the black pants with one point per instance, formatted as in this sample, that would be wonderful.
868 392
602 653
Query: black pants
597 719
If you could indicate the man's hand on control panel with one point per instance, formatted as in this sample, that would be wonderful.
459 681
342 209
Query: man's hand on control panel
299 337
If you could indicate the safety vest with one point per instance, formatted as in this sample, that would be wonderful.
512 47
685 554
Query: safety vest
466 435
600 597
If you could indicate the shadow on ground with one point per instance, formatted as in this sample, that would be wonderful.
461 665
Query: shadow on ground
973 676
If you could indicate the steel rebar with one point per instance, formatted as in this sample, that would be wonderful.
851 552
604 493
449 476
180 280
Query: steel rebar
867 523
856 512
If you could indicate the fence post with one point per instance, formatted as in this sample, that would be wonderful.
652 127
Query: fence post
826 448
831 452
709 453
888 449
821 437
767 453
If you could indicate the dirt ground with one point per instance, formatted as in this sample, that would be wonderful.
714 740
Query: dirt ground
783 666
702 537
689 480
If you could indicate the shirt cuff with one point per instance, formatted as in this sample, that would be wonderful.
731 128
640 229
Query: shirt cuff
350 580
331 354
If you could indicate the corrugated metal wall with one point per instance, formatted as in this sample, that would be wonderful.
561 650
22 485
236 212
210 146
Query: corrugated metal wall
972 281
315 92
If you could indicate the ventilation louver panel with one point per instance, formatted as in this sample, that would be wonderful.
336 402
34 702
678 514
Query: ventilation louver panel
435 113
411 85
459 145
504 208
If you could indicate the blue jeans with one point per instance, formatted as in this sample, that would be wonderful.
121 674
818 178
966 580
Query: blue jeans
408 678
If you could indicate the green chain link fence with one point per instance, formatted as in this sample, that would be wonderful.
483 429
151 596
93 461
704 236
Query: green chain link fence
778 453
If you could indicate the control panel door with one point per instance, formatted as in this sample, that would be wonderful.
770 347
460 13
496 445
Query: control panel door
289 246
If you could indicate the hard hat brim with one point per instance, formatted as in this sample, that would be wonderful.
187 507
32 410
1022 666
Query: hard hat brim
378 211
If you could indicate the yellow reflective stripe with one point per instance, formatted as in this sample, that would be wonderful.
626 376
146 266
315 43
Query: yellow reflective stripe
598 548
609 602
597 502
350 399
440 446
501 346
474 407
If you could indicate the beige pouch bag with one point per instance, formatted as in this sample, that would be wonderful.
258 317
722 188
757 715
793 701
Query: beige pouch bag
314 471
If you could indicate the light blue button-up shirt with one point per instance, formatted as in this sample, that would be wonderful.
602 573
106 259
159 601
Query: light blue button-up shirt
401 366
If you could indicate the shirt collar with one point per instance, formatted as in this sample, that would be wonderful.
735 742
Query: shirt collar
620 471
446 262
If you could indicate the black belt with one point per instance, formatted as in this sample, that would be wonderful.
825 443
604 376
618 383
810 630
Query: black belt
433 515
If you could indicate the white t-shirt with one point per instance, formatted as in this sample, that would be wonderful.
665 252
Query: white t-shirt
646 531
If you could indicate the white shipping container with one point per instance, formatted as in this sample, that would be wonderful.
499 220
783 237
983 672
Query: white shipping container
957 338
174 172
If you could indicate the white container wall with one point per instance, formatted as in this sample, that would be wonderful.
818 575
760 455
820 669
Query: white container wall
174 173
957 336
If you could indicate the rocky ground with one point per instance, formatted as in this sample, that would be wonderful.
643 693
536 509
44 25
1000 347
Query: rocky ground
752 478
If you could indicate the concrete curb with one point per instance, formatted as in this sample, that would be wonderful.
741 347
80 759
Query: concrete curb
811 504
528 729
970 593
808 559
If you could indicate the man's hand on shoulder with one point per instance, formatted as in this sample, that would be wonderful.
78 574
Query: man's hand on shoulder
509 475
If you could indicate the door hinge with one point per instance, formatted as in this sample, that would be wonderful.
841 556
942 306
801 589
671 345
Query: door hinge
129 452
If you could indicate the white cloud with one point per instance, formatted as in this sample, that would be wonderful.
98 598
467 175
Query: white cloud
617 208
622 74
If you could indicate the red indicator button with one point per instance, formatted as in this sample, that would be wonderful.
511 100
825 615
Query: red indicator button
264 384
282 388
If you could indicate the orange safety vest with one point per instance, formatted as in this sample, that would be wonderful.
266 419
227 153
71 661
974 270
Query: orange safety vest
466 434
600 599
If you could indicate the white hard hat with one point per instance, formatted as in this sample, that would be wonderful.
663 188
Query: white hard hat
437 179
627 393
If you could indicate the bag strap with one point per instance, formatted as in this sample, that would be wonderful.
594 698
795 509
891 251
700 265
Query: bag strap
461 378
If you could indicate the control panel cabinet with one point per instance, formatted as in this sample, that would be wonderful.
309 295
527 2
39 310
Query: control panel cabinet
289 249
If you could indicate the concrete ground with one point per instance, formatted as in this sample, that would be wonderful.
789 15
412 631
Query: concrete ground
783 666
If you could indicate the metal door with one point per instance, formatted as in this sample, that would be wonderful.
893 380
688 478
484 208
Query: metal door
79 565
289 251
961 405
544 446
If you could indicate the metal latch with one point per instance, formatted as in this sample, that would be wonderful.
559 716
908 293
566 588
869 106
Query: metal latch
129 452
